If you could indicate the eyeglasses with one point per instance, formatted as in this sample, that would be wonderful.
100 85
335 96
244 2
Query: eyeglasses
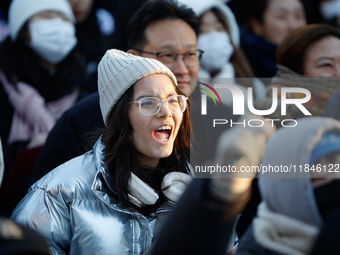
190 58
152 105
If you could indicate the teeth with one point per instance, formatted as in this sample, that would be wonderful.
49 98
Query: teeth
164 128
164 140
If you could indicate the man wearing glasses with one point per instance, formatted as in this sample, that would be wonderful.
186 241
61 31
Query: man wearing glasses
161 30
169 34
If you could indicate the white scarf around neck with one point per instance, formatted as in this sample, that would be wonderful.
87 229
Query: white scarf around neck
283 234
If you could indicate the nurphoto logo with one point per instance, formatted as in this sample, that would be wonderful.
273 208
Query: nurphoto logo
238 104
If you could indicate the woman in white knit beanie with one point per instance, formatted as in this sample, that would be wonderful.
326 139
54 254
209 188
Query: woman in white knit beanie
112 200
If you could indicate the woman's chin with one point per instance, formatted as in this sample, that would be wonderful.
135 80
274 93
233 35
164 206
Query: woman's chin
163 152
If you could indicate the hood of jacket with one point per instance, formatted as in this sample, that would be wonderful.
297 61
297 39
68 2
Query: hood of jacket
291 193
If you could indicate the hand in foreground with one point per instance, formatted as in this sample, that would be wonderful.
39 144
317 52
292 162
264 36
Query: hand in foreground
241 148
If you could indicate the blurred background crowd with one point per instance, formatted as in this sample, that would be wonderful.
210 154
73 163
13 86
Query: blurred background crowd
49 109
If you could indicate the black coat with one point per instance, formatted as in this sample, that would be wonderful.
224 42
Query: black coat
195 226
260 53
248 245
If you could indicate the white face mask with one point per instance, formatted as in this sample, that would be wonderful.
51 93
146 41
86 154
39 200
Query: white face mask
330 10
52 39
217 50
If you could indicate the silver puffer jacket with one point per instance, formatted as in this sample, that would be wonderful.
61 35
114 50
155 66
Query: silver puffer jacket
73 209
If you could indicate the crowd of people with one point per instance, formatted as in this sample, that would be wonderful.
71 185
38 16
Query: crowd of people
108 108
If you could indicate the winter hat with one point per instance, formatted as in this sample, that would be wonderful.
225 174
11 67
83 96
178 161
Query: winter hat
118 71
21 11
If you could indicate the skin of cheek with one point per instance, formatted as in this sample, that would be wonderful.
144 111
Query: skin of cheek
140 137
180 37
325 51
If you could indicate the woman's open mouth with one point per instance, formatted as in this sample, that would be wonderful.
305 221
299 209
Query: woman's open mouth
162 133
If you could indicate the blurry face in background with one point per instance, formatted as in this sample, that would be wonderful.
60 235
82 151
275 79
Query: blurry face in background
279 19
81 9
323 58
209 23
52 36
214 40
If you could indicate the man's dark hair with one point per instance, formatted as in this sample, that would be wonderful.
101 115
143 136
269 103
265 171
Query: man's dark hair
155 11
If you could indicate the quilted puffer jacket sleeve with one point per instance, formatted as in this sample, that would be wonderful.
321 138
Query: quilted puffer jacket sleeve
49 215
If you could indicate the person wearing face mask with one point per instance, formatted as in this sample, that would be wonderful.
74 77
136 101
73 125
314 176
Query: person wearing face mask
41 76
219 38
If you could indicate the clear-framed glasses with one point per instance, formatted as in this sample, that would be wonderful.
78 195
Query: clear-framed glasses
190 58
152 105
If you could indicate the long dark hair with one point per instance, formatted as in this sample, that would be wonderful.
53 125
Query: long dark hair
20 63
119 152
292 51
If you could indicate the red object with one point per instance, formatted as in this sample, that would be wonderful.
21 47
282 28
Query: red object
22 167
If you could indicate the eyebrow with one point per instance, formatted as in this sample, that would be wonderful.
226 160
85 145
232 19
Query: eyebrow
151 95
283 9
171 47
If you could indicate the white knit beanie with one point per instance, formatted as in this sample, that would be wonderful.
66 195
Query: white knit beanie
118 71
21 11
